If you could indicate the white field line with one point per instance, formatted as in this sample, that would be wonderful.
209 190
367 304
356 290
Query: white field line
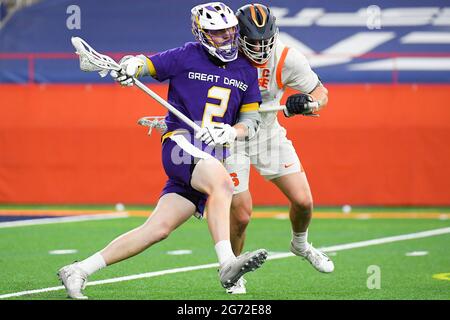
352 245
368 243
88 217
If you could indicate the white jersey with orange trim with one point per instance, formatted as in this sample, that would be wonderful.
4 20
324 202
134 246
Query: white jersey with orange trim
270 151
287 67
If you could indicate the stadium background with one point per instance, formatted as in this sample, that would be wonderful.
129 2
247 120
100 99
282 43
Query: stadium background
68 137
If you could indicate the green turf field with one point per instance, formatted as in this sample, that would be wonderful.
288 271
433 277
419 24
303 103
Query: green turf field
27 265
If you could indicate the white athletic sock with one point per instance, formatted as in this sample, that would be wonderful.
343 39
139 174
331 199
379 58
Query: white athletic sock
300 240
92 264
224 251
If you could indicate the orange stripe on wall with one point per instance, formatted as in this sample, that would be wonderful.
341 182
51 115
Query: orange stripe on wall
373 145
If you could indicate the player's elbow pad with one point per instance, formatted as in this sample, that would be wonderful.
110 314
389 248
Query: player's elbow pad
252 127
252 130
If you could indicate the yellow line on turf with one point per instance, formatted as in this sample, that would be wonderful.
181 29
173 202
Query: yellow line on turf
442 276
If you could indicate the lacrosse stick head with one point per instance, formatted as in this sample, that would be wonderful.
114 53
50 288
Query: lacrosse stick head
151 122
91 60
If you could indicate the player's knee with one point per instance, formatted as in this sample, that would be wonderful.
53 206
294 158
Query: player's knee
158 233
303 204
163 234
222 183
219 180
240 214
240 222
224 186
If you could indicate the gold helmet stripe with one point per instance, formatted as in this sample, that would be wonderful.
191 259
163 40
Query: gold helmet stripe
254 17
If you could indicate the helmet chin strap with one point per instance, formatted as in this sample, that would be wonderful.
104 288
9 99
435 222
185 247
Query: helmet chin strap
214 59
227 49
214 53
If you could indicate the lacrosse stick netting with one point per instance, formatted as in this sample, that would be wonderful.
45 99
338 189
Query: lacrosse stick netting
151 122
91 60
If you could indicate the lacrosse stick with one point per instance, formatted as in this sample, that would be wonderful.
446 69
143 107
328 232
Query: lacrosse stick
313 104
91 60
151 122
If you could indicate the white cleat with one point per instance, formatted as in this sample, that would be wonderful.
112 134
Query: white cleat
319 260
235 268
74 279
239 287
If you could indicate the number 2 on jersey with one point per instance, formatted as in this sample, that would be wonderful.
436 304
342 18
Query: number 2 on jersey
216 110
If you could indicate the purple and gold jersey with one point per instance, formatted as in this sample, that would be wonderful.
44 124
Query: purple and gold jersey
203 91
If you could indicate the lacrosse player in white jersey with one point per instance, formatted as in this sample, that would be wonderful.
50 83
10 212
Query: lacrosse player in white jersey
270 151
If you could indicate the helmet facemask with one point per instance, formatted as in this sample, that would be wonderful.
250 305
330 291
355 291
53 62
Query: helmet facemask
222 43
259 51
215 26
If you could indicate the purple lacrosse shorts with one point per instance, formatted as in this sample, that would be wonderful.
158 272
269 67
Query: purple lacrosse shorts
180 154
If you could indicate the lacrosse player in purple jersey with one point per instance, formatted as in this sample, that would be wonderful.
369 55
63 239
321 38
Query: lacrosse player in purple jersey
218 89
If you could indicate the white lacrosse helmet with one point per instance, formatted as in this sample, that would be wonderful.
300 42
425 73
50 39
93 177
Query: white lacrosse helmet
215 26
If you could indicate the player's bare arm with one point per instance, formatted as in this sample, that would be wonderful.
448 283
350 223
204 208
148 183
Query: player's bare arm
320 94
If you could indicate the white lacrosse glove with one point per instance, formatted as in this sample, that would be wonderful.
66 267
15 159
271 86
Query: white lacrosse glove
218 133
130 67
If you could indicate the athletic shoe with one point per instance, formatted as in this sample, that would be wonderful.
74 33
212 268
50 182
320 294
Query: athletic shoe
74 279
239 287
319 260
235 268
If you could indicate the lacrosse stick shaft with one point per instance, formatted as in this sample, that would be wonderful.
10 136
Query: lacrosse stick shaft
167 105
271 109
314 104
91 60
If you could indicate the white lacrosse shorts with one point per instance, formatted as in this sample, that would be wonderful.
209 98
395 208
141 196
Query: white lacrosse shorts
270 152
